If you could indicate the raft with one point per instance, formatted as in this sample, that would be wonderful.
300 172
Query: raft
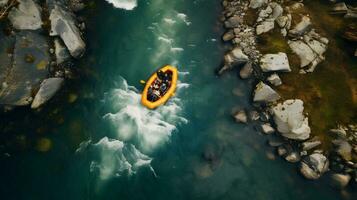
169 92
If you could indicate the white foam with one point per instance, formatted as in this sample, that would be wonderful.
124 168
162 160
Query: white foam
134 123
176 49
165 39
124 4
184 18
169 21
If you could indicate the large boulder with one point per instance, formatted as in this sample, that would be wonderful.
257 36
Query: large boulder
265 26
63 25
257 3
304 52
48 89
62 54
301 28
314 165
264 93
290 120
29 68
234 57
275 62
26 16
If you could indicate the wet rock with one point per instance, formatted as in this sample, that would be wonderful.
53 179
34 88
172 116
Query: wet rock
340 180
267 128
275 62
76 5
275 142
339 8
282 151
246 71
301 28
311 144
274 79
293 157
26 16
314 165
339 132
257 3
63 25
233 22
290 120
351 14
344 149
304 52
228 36
48 89
264 93
3 2
241 116
265 26
233 58
350 33
62 54
254 115
23 76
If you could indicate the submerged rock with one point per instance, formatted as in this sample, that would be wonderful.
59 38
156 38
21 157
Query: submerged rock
308 145
275 62
339 8
290 120
314 165
340 180
62 54
241 116
26 16
301 28
232 58
264 93
63 25
3 2
48 89
246 71
229 35
29 68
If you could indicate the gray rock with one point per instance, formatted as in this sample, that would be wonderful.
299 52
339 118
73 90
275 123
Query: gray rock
233 58
303 51
229 35
344 149
290 120
265 26
29 68
48 89
76 5
254 115
274 79
264 93
241 116
339 8
62 54
308 145
340 180
314 165
267 128
63 25
264 13
282 21
257 3
301 28
246 71
26 16
339 132
277 10
351 14
275 62
233 22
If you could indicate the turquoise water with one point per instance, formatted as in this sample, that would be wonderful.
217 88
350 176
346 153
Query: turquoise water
189 149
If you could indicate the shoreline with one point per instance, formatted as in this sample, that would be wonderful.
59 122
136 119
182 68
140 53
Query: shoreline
246 22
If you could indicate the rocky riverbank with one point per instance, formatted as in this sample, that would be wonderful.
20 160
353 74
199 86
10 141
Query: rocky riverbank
300 50
38 43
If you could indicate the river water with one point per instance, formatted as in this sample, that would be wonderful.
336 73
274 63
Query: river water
96 141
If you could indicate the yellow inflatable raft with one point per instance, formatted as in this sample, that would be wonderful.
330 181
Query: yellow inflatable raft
153 94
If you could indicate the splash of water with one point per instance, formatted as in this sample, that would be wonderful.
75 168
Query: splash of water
124 4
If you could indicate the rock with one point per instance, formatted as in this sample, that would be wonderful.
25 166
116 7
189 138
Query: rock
265 26
275 142
26 16
48 89
308 145
282 21
264 93
304 52
274 79
228 36
264 13
246 71
76 5
340 180
350 33
314 165
344 149
232 58
339 8
277 10
233 22
293 157
267 128
257 3
282 150
62 54
339 132
290 120
254 115
63 25
275 62
351 14
24 76
241 117
301 28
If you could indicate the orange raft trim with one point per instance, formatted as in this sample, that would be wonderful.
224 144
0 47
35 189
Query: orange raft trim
170 92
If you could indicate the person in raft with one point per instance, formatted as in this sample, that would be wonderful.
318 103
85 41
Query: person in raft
159 87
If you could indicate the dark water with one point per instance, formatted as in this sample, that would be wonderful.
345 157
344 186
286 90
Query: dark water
129 45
